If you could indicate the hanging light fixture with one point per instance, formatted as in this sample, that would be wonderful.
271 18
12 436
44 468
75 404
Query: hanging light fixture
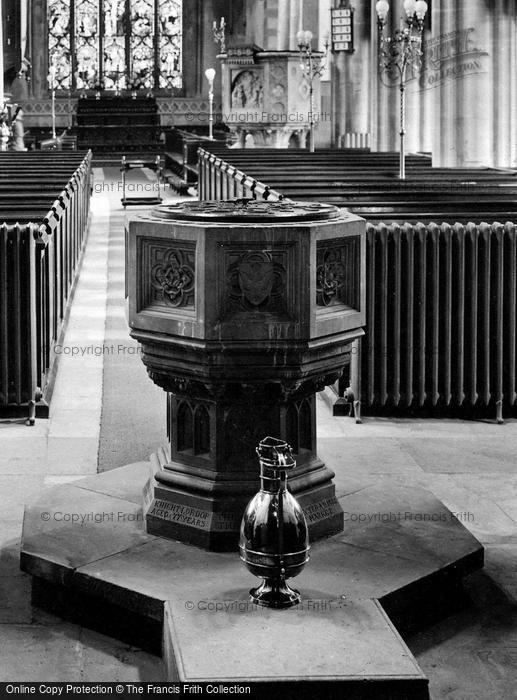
400 51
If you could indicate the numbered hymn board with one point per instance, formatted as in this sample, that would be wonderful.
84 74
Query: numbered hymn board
342 29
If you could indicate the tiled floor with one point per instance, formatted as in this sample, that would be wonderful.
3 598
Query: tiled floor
471 466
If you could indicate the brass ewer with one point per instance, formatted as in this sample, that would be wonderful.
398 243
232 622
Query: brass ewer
274 540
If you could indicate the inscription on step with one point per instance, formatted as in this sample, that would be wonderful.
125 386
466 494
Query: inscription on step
226 521
195 517
181 514
320 510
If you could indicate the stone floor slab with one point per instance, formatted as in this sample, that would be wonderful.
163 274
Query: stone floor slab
15 599
53 654
18 455
127 485
476 455
75 422
57 652
357 456
485 517
18 492
349 641
70 527
72 455
115 562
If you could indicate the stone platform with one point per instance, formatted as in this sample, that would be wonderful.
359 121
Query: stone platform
397 566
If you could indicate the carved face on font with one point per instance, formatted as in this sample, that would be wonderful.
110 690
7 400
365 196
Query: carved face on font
256 277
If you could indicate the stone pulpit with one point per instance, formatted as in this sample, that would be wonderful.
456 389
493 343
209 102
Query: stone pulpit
244 310
265 98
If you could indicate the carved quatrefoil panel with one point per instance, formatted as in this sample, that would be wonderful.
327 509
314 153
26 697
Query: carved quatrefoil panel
171 275
337 273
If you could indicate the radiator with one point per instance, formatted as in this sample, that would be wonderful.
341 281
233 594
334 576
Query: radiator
441 318
17 315
38 264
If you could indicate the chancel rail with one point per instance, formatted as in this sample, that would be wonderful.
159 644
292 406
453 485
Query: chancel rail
44 215
441 297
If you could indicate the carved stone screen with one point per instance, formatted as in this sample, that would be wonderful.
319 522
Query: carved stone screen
115 44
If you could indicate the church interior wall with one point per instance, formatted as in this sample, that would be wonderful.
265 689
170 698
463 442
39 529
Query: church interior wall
459 106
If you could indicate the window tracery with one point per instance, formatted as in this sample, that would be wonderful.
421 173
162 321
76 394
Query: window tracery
115 44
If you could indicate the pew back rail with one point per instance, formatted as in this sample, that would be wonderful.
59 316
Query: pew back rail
40 249
441 332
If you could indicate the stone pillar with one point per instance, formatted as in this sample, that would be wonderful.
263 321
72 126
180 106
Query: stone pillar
296 22
310 19
459 71
420 137
284 25
1 58
504 78
419 105
324 130
256 12
352 79
39 58
24 25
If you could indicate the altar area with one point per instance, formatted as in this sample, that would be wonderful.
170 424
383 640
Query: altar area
118 123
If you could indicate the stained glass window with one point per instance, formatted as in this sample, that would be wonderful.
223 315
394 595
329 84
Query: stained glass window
115 44
86 21
170 30
59 48
142 44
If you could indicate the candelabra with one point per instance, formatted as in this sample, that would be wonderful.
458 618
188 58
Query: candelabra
312 65
119 77
400 51
220 34
210 75
52 85
70 115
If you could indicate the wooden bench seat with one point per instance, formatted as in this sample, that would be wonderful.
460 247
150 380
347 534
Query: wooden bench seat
315 175
439 217
34 185
365 183
440 270
44 205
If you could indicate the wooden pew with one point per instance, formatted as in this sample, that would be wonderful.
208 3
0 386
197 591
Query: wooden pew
363 183
44 205
441 271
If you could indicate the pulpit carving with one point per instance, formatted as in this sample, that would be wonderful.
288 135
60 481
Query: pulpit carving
247 90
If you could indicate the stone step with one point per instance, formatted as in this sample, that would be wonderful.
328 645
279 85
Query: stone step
106 572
